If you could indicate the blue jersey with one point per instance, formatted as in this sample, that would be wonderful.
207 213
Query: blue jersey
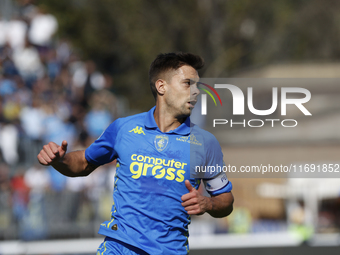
151 169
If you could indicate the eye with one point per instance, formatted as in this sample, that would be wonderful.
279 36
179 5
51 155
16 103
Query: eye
191 82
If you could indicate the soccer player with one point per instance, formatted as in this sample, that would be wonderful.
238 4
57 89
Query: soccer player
156 185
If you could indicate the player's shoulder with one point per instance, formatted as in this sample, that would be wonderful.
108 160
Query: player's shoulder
207 137
132 120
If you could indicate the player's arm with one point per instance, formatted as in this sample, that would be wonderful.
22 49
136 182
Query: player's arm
217 206
220 205
70 164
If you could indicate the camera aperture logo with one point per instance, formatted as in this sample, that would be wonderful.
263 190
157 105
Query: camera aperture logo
204 96
238 103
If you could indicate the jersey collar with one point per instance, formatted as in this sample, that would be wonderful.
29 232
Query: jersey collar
183 129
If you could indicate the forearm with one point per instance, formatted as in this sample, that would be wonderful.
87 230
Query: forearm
74 164
221 205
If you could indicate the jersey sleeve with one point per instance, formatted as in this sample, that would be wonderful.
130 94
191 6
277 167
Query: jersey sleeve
216 181
102 150
214 155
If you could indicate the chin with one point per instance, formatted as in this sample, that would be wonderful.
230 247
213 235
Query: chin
188 113
184 114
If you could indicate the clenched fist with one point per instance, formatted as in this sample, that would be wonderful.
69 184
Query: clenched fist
52 153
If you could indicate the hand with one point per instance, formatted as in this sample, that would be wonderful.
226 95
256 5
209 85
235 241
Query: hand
52 153
194 203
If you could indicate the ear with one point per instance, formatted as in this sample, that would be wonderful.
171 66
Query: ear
160 86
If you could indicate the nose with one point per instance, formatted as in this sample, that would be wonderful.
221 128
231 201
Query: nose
194 91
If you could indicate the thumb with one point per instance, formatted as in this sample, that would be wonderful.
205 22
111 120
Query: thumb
63 146
189 186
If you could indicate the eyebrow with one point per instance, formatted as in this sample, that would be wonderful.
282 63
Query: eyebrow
191 80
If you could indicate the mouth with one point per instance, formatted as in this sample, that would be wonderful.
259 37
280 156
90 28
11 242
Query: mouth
192 103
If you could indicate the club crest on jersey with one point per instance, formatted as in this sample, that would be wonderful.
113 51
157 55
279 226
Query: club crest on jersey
161 141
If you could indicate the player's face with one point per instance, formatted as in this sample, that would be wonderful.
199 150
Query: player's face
181 94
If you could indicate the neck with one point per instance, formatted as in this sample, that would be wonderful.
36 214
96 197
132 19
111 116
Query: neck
165 120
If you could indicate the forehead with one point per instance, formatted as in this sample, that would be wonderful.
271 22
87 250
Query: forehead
186 72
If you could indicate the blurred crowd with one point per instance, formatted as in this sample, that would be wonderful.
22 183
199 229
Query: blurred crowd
47 93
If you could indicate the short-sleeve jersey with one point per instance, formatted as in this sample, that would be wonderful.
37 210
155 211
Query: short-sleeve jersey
151 169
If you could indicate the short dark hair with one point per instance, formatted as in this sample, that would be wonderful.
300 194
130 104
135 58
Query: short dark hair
171 61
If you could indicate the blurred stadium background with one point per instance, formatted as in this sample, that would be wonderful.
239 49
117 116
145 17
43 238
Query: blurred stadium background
68 68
